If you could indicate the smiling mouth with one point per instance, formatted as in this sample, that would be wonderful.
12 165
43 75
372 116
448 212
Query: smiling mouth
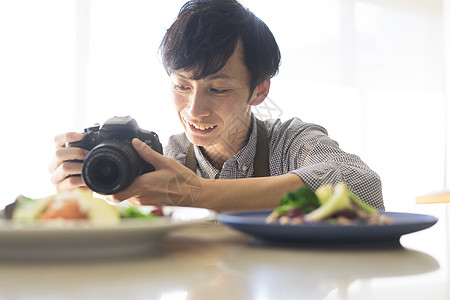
201 126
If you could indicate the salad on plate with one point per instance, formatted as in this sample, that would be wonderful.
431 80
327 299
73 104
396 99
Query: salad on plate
328 204
75 205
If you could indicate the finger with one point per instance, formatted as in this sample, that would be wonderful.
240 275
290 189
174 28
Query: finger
131 191
148 154
71 183
71 153
147 185
65 170
136 200
61 139
112 199
66 154
132 201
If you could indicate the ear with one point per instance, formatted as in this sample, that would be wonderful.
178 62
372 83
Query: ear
260 93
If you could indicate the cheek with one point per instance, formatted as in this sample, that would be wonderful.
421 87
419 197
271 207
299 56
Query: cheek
231 111
179 101
179 106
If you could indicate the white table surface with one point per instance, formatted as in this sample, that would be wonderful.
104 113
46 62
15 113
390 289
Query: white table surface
210 261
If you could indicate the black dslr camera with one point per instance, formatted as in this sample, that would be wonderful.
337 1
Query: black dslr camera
112 163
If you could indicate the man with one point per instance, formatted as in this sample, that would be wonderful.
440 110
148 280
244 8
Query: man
220 58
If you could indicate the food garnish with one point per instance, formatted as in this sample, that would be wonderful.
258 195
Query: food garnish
75 205
133 212
336 205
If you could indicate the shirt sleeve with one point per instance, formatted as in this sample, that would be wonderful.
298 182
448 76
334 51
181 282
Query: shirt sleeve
177 147
309 152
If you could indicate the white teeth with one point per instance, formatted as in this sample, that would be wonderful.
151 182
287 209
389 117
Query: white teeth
202 127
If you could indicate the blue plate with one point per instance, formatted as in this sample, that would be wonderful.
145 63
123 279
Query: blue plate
253 222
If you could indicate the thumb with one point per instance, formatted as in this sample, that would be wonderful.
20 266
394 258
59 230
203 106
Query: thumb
147 153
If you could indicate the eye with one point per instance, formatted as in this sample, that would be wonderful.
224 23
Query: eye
181 88
217 91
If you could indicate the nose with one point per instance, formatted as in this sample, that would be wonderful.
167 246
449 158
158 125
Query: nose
198 104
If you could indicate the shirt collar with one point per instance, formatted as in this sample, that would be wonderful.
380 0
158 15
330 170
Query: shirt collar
241 162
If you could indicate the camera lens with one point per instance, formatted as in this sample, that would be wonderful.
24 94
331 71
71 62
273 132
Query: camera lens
106 171
111 167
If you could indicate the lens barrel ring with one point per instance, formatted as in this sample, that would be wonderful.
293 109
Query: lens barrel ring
110 167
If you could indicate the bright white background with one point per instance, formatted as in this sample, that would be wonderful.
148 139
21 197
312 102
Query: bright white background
374 73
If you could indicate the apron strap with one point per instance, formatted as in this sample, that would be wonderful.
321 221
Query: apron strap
261 162
191 161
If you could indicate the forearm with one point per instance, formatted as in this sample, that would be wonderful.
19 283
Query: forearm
361 180
248 193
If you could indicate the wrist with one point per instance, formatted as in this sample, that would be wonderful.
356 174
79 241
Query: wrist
207 195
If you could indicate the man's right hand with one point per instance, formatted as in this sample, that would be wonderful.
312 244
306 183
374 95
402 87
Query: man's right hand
66 164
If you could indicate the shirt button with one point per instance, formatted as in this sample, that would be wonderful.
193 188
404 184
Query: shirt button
244 168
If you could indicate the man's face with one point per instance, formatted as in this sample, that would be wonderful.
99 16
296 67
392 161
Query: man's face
215 111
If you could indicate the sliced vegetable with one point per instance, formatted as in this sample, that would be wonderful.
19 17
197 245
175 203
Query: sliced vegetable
367 208
27 209
338 201
324 193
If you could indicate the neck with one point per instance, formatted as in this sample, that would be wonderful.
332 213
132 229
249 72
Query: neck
216 158
219 153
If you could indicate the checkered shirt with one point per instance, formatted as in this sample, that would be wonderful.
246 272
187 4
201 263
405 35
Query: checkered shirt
295 147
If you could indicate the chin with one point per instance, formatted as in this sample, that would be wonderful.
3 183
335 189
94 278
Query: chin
202 142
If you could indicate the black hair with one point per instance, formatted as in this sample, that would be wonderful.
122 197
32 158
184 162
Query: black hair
205 34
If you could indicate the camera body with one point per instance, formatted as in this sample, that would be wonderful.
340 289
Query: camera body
112 163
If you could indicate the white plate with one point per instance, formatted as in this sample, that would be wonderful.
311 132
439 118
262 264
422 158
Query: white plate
81 239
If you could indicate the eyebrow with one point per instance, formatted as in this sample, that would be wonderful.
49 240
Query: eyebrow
218 76
210 77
